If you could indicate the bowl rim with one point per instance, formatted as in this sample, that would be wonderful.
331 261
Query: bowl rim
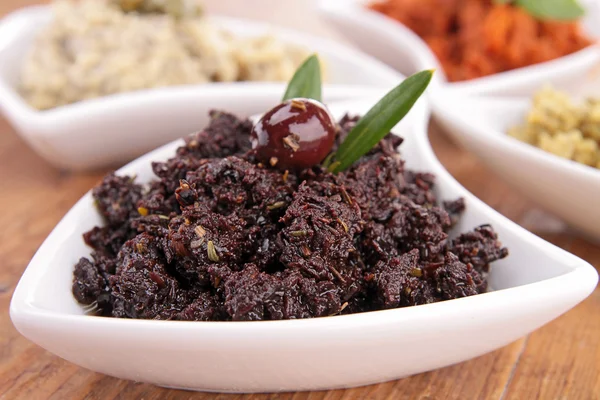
577 282
22 311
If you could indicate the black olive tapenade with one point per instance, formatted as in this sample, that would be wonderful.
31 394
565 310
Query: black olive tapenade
220 236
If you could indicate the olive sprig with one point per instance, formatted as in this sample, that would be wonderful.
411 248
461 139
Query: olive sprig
380 120
374 125
306 82
558 10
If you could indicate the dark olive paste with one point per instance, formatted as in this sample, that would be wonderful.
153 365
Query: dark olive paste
220 236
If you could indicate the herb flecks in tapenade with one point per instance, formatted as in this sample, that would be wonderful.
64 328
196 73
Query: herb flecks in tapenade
218 237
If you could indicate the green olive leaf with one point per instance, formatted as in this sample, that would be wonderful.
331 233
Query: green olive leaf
559 10
380 119
306 81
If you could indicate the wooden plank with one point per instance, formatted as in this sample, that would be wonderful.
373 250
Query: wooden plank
559 361
564 357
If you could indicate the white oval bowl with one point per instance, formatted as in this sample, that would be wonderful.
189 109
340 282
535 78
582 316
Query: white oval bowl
399 47
114 129
566 188
534 285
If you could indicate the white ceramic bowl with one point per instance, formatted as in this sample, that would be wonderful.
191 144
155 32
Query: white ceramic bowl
117 128
534 285
566 188
399 47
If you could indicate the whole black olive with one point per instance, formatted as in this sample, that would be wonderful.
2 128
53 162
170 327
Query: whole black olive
296 134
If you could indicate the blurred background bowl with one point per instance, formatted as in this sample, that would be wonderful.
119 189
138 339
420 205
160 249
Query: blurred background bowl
395 44
113 129
563 187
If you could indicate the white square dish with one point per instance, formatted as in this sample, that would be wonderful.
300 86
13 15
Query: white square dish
534 285
114 129
393 43
565 188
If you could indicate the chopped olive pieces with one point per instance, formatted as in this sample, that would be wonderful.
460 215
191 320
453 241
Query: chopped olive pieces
223 236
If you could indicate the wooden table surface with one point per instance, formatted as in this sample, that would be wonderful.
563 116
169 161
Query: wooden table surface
559 361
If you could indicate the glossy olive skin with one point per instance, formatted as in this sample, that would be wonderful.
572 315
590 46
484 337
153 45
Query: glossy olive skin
294 135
